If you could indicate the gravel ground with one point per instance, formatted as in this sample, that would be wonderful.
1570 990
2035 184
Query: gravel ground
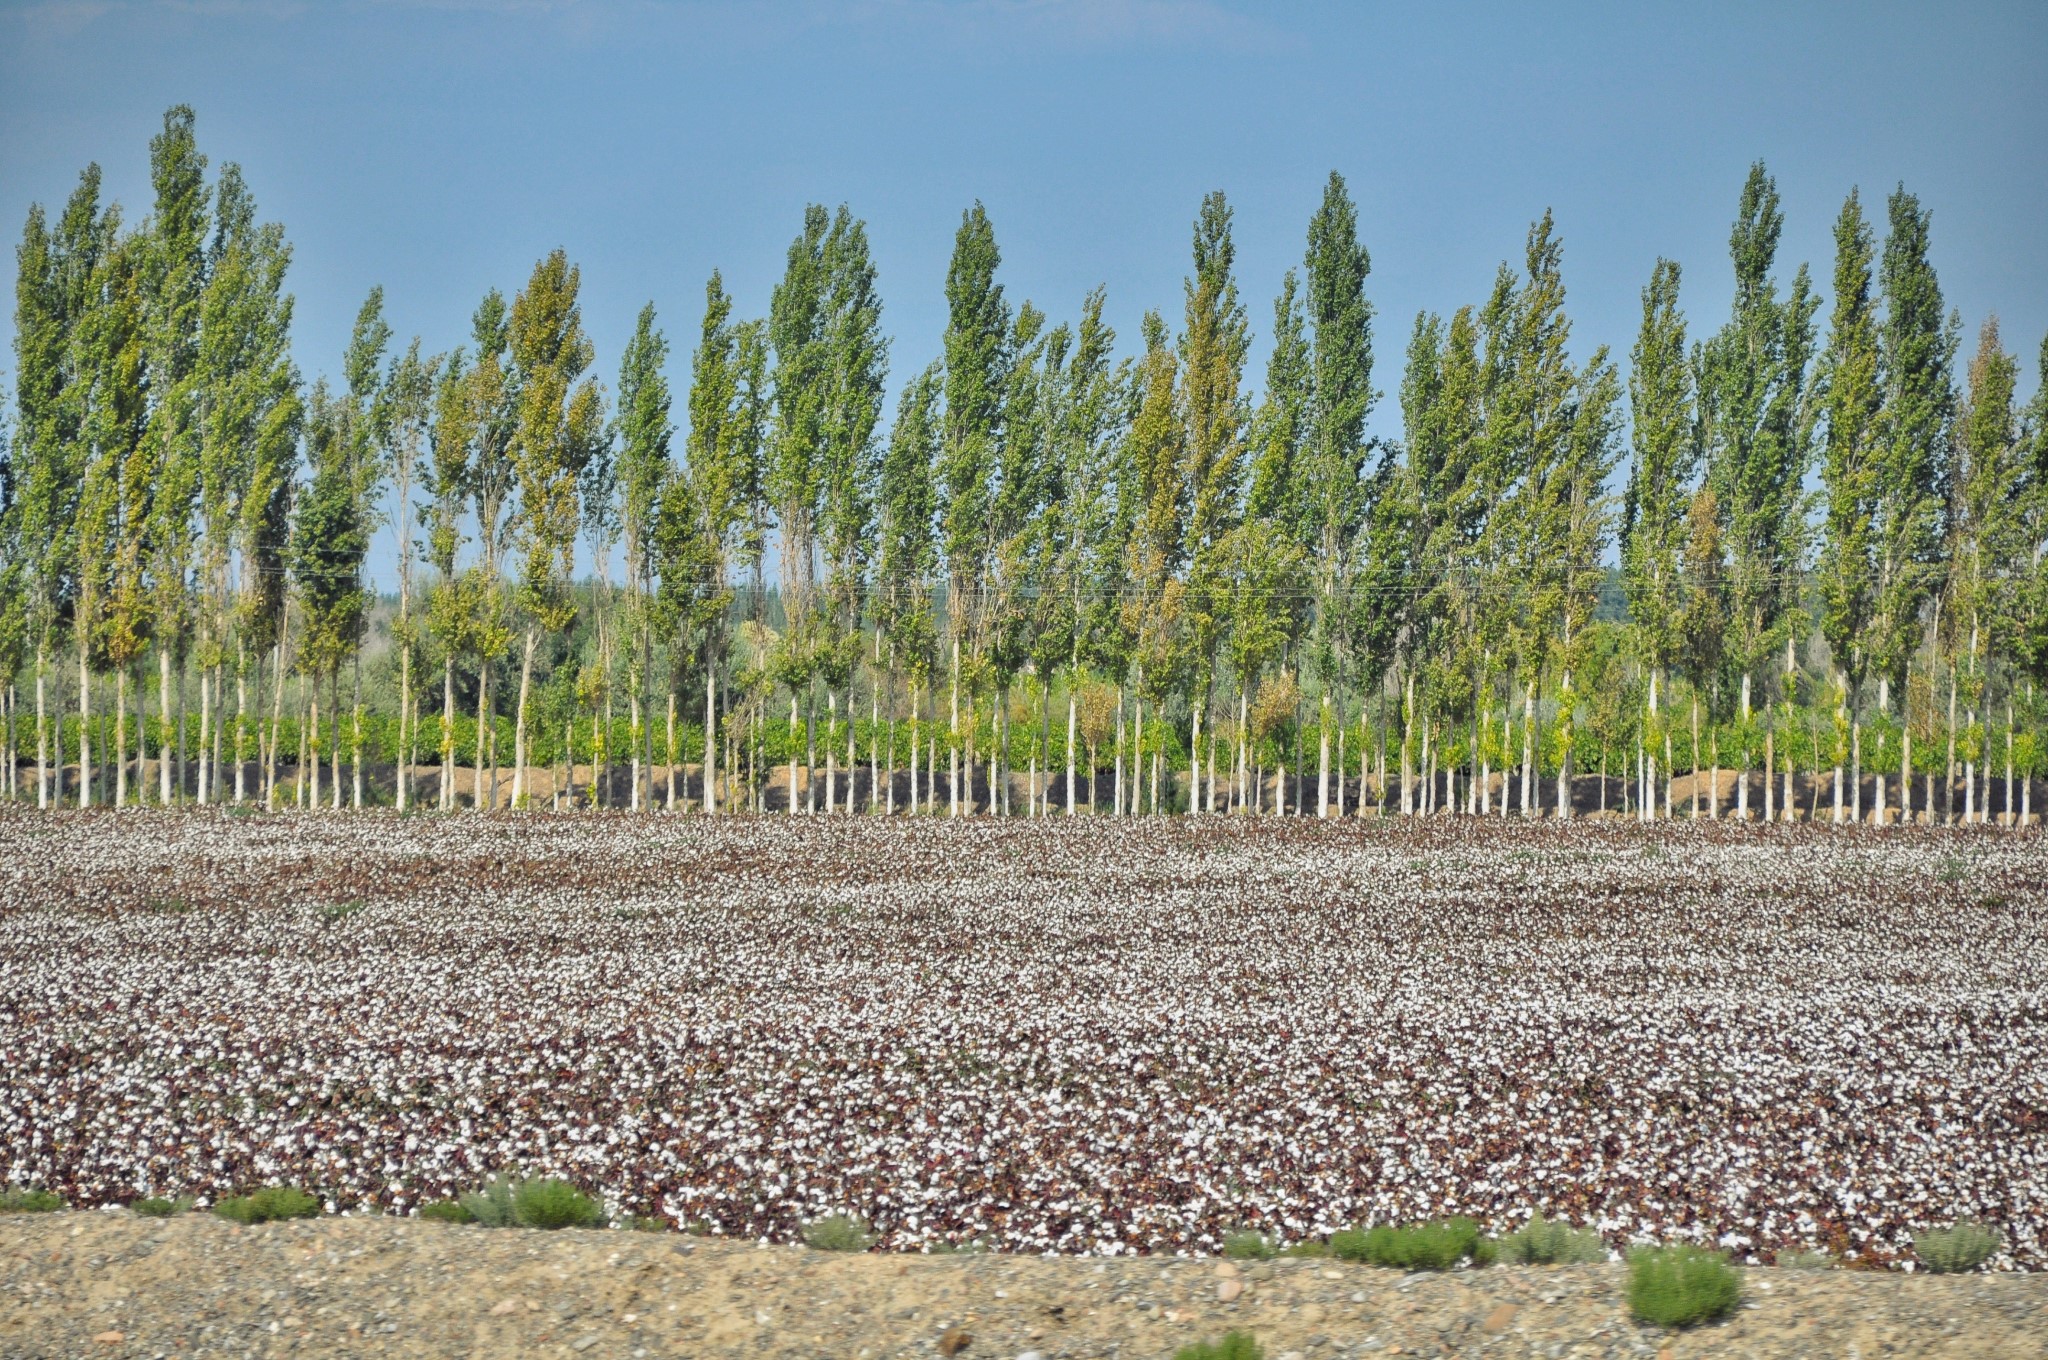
111 1284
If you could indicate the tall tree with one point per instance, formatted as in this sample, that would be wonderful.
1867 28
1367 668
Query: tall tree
643 467
1653 532
907 548
977 358
1755 415
1853 476
560 419
409 401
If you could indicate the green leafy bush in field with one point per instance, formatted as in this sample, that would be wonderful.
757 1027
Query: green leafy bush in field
839 1232
1235 1346
1246 1245
16 1200
156 1206
445 1211
269 1204
1545 1241
1681 1286
1804 1260
1957 1250
1420 1246
490 1204
551 1203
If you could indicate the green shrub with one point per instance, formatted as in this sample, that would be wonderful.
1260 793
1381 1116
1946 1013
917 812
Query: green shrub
1235 1346
1804 1260
268 1204
156 1206
1957 1250
1421 1246
15 1200
1246 1245
552 1203
1544 1241
445 1211
839 1232
1681 1286
643 1223
491 1204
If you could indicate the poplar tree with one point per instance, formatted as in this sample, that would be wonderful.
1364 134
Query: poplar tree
1755 416
409 398
174 292
907 550
559 421
1653 530
1917 345
1213 343
977 359
1853 476
1985 553
798 333
643 469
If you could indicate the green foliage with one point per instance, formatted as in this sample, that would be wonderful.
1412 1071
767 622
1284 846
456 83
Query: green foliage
333 913
551 1203
269 1204
643 1223
490 1204
1543 1241
838 1232
1423 1246
17 1200
1959 1249
1234 1346
1247 1245
1681 1286
156 1206
446 1211
1805 1260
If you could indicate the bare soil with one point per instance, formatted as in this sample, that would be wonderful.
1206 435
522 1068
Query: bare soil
113 1284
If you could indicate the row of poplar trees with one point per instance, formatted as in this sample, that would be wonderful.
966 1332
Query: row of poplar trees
1828 540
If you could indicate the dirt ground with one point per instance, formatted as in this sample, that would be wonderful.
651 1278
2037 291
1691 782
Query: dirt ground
109 1283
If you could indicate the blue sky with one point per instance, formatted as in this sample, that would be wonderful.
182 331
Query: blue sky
438 147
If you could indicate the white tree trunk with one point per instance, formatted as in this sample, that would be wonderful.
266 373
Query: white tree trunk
710 741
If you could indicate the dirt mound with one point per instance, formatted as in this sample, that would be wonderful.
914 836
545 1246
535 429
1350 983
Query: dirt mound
113 1284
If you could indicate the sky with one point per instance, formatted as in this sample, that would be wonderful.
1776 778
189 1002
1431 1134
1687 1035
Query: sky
440 147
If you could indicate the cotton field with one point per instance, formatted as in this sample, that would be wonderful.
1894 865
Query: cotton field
1104 1036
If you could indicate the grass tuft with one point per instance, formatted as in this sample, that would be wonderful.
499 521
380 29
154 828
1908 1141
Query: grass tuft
445 1211
491 1204
1959 1249
838 1232
1545 1241
1234 1346
271 1203
1421 1246
16 1200
550 1203
1681 1286
156 1206
1246 1245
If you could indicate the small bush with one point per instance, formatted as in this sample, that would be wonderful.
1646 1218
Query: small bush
1543 1241
269 1204
1246 1246
551 1203
1235 1346
1957 1250
490 1205
643 1223
156 1206
1422 1246
445 1211
15 1200
839 1232
1681 1286
1804 1260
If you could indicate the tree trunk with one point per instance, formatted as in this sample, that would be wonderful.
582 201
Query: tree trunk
519 787
1072 719
710 740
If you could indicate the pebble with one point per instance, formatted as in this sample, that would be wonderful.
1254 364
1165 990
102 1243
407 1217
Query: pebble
1228 1290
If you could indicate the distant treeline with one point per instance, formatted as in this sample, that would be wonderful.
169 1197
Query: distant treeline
1832 535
